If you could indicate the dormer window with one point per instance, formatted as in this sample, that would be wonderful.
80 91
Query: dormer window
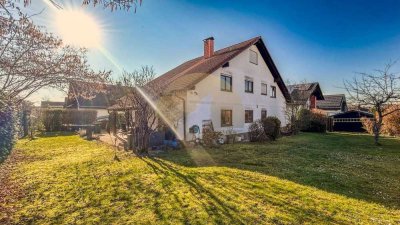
253 57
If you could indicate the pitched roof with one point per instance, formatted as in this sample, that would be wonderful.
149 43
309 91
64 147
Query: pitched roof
189 73
301 92
331 102
92 95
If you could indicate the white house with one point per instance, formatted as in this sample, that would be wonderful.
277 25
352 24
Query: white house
231 87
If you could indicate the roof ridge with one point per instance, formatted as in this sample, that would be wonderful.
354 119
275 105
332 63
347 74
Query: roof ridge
240 43
201 59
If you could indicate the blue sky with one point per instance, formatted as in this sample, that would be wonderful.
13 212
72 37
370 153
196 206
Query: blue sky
324 41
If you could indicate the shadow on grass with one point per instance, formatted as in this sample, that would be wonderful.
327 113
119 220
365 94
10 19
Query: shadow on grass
216 195
342 163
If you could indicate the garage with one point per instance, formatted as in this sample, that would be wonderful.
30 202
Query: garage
349 121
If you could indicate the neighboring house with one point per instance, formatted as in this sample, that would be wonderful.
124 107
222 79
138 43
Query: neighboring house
84 95
230 88
52 105
333 104
306 95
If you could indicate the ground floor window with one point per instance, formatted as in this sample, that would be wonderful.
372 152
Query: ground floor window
263 113
226 117
248 116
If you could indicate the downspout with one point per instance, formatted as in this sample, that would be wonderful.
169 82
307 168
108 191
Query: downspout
184 115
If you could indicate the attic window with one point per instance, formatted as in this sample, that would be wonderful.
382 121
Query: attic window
253 57
273 92
226 65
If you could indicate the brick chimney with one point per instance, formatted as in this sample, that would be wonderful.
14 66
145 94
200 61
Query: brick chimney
208 47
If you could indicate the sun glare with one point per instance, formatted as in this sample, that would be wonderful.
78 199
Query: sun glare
78 28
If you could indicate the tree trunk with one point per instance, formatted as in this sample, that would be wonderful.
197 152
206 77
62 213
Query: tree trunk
377 127
376 134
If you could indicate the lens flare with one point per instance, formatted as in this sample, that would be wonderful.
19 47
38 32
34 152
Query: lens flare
78 28
159 112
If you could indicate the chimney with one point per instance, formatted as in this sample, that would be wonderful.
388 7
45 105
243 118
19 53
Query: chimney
208 47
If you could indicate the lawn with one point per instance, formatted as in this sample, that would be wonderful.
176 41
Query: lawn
309 178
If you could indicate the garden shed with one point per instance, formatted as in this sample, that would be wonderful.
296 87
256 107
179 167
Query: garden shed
349 121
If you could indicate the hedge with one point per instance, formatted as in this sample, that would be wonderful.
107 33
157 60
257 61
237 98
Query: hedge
54 119
312 121
7 128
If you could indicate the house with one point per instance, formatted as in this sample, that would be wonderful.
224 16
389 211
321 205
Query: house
227 89
306 94
95 96
52 105
333 104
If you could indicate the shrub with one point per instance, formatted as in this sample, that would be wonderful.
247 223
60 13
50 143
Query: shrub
54 119
390 124
368 125
210 138
304 119
318 122
256 132
312 121
272 127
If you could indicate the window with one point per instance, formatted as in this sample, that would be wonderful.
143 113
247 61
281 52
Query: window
264 89
248 86
263 113
226 83
273 92
253 57
248 116
226 118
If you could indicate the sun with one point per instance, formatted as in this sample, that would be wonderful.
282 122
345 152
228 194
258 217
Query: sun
78 28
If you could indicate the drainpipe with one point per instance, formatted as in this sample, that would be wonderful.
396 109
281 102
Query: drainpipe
184 116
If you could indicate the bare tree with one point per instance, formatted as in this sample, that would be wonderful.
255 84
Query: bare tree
378 91
140 98
172 109
109 4
31 58
291 114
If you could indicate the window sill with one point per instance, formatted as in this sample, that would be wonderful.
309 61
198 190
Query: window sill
226 91
226 125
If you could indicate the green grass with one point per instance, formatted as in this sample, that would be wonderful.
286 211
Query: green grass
310 178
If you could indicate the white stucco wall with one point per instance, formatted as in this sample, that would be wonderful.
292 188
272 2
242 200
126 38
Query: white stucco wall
207 100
